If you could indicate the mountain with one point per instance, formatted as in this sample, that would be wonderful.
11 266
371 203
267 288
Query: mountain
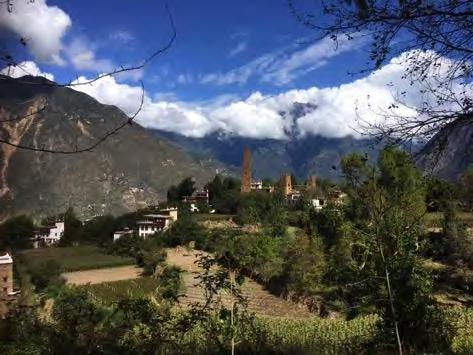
126 171
450 152
270 157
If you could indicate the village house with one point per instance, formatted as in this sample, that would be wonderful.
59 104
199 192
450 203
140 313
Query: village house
153 223
48 235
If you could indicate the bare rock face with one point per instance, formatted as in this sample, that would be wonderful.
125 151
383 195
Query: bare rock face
450 152
128 170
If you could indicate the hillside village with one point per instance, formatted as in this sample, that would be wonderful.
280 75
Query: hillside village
236 177
157 219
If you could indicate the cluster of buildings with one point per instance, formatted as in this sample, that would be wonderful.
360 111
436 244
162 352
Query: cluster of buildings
156 220
292 193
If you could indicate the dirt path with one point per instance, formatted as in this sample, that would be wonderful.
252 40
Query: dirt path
102 275
259 300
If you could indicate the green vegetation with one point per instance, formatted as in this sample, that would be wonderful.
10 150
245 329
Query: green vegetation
168 284
16 233
73 258
317 335
375 278
435 219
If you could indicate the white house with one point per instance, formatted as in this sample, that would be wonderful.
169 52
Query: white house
153 223
49 235
118 234
318 203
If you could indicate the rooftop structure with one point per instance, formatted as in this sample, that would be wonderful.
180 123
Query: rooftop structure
118 234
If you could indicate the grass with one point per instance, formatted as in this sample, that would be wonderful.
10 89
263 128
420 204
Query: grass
213 217
434 219
109 292
74 258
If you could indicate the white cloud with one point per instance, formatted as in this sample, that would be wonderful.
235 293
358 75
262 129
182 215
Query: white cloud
260 116
185 79
81 54
42 26
284 66
239 48
122 36
25 68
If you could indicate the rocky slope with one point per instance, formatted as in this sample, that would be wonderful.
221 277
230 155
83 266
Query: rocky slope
128 170
450 152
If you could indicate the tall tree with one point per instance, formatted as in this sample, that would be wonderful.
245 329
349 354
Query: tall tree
390 275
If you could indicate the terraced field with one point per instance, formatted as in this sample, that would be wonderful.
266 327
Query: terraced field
259 300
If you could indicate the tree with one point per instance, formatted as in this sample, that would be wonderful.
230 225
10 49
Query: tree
16 233
46 274
223 194
439 193
466 188
72 228
436 40
387 235
186 187
99 230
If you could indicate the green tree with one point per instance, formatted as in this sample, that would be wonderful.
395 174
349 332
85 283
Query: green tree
99 230
72 228
466 188
46 274
16 233
391 205
186 187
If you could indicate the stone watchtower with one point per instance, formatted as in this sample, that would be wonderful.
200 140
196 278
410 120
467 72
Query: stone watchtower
286 184
312 184
6 275
246 171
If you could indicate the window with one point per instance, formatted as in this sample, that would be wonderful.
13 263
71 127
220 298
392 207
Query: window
5 278
5 290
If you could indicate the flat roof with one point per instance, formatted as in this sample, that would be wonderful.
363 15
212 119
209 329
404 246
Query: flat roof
157 216
6 259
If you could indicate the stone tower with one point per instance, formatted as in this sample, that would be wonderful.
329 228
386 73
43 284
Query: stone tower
6 275
286 184
312 183
246 171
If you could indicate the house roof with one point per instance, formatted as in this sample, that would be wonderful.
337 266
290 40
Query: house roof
6 259
157 216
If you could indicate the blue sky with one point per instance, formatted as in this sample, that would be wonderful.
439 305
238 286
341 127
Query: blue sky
235 65
213 37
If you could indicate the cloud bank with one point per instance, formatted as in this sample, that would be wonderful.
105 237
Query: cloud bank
25 68
336 113
41 26
260 116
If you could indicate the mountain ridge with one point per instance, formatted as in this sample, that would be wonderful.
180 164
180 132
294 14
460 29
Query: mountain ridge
127 171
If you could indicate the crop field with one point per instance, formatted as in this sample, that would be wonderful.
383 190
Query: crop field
74 258
96 276
109 292
259 300
435 219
